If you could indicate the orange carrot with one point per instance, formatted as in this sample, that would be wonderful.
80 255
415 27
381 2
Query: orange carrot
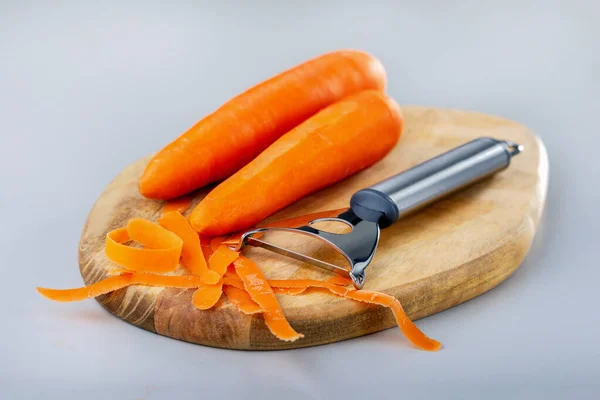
260 291
191 253
207 296
181 204
224 141
161 251
410 330
337 142
241 299
221 259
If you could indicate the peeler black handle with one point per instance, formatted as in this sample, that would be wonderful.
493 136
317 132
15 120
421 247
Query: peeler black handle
399 195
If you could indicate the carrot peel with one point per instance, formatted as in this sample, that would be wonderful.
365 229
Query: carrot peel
221 258
207 296
241 299
192 256
289 291
161 251
113 283
261 292
410 330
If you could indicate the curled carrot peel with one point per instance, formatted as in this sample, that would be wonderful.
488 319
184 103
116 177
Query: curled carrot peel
119 282
221 259
207 296
241 299
233 281
410 330
180 204
260 291
96 289
191 254
161 251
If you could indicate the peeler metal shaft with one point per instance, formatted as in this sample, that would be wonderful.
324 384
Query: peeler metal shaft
402 194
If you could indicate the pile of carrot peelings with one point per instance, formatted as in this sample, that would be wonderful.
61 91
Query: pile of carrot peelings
173 241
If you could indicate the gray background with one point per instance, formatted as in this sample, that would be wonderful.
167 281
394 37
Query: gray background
85 90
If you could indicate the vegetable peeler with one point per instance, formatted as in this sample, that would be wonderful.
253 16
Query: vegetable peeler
379 206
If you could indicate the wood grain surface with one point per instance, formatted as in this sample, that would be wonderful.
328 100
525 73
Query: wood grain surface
446 254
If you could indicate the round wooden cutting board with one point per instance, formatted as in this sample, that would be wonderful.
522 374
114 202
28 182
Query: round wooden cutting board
446 254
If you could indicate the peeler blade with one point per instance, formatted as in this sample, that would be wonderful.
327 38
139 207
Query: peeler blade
357 246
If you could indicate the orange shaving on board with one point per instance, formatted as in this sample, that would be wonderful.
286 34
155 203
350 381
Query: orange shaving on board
180 204
241 299
410 330
207 296
260 291
96 289
113 283
289 291
233 281
161 251
339 280
221 259
216 242
233 274
205 245
191 254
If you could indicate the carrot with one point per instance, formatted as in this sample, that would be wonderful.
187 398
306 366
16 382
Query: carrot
335 143
410 330
191 253
260 291
181 204
241 299
221 259
161 251
224 141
